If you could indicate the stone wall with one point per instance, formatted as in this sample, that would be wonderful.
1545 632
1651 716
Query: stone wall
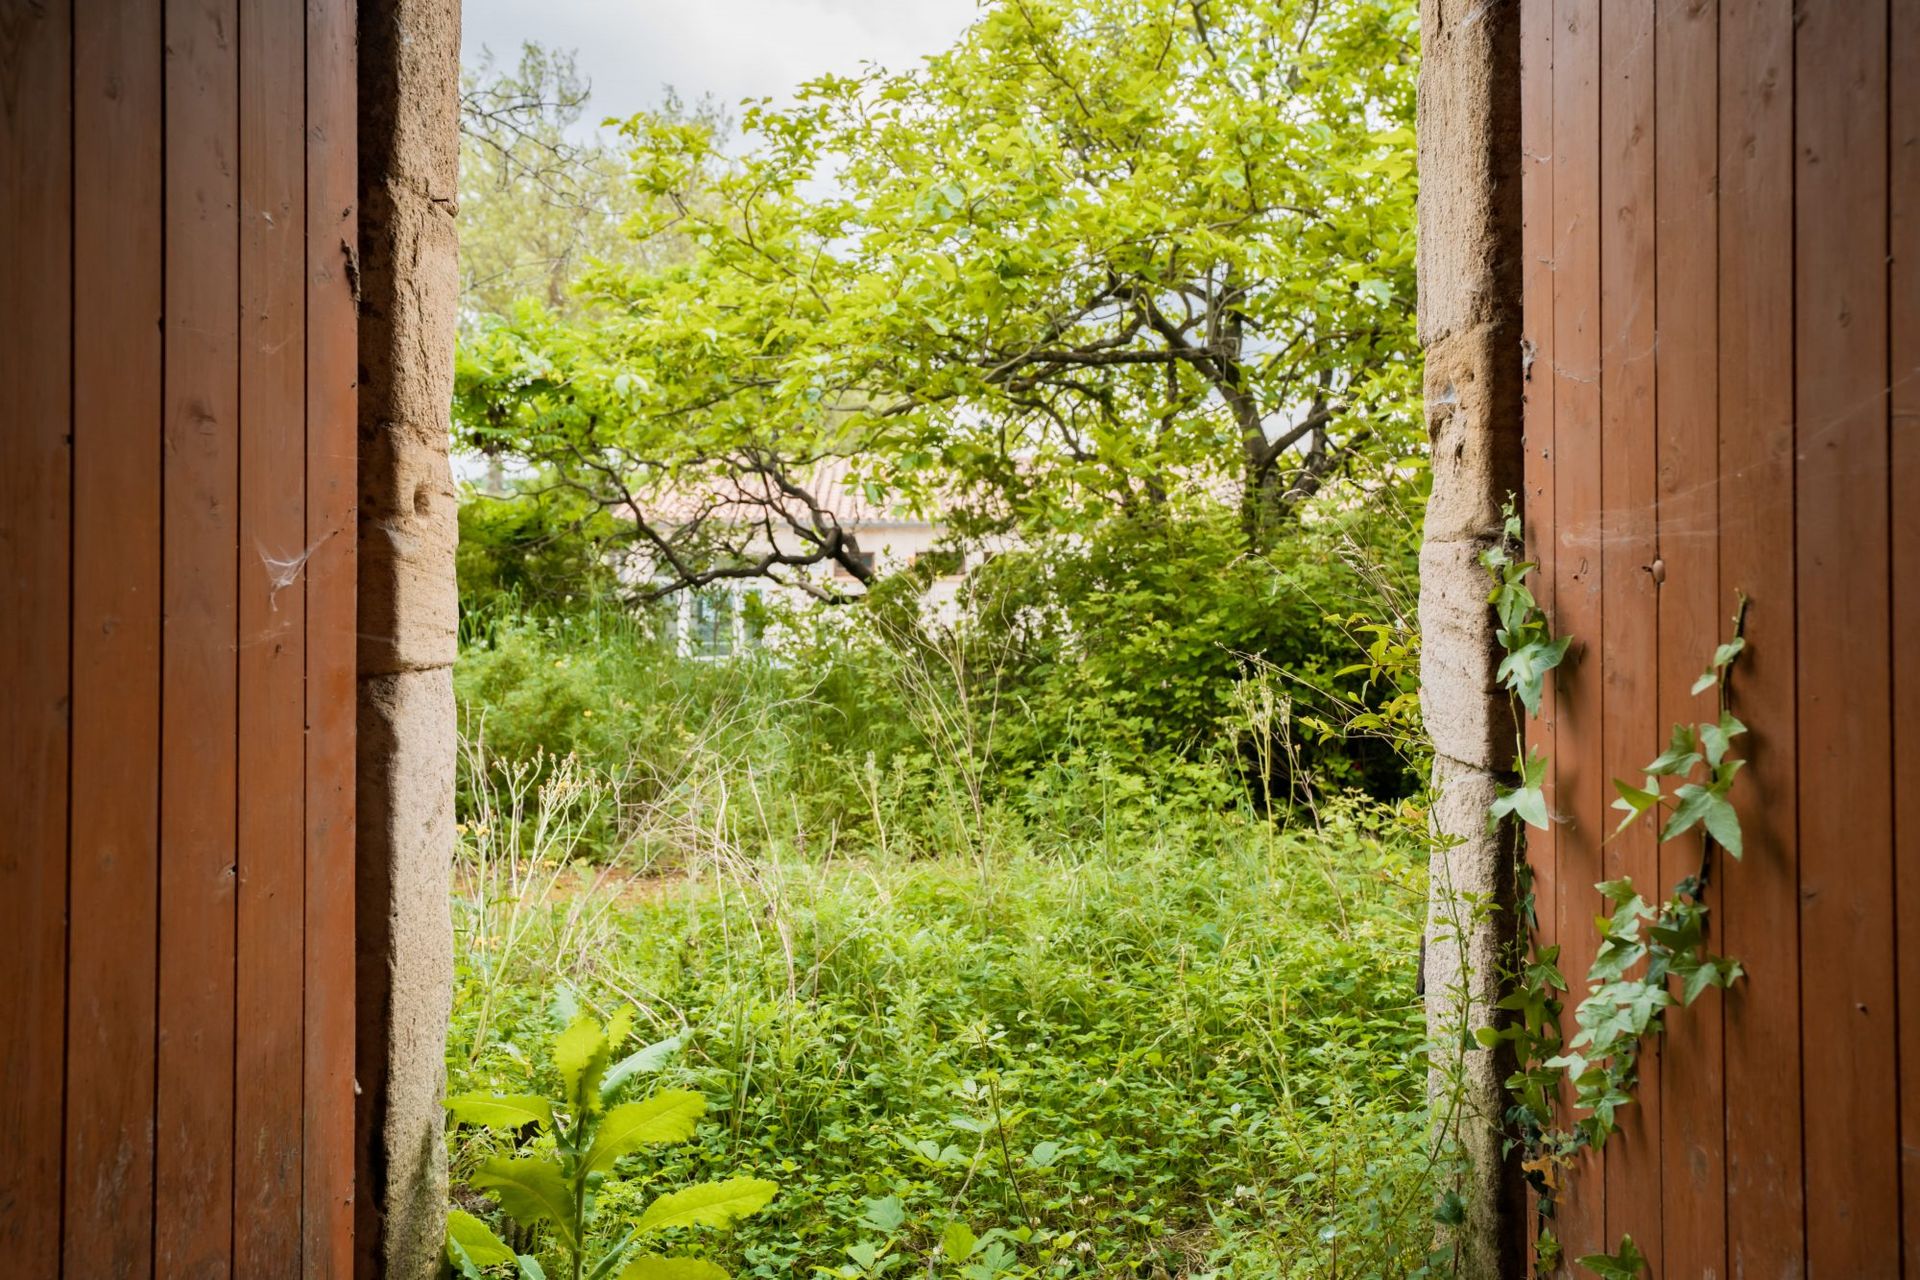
409 151
1470 326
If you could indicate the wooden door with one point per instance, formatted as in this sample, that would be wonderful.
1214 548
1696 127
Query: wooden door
1721 300
177 478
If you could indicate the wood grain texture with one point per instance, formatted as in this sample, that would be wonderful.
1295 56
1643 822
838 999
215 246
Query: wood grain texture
332 445
1903 295
118 255
1845 739
1693 613
199 730
1621 536
1577 567
269 1051
1759 899
35 514
1536 284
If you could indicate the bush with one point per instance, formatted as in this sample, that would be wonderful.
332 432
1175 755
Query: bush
1131 1041
1133 645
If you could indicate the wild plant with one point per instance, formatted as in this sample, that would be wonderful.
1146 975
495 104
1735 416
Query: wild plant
568 1147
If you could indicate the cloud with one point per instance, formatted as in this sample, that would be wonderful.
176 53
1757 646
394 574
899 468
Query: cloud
732 49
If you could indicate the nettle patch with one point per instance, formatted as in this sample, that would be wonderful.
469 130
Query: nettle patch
1651 958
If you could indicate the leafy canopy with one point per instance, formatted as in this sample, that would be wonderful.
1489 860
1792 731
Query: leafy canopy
1097 253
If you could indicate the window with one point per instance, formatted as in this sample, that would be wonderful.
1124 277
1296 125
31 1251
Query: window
710 624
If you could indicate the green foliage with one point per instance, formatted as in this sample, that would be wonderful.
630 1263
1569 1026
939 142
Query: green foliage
566 1149
537 552
1127 1037
1643 953
1136 643
1095 255
1628 1263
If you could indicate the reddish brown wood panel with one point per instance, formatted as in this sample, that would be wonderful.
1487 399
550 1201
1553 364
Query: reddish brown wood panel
1903 225
1732 322
177 476
269 1049
1623 536
1683 587
1842 551
1759 898
117 258
35 506
199 740
1536 282
332 184
1575 743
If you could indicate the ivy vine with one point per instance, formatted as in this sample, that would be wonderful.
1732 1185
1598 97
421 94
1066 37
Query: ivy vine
1645 951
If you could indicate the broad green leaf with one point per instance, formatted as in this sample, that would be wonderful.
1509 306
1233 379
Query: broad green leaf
475 1239
531 1190
708 1204
1723 823
1695 802
642 1061
665 1117
1634 801
1529 804
1626 1264
1682 754
501 1111
652 1268
580 1055
530 1268
886 1214
957 1241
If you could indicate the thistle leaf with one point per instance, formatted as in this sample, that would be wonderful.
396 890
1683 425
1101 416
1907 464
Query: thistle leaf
665 1117
708 1204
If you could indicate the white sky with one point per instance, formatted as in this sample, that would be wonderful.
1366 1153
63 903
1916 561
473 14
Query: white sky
732 49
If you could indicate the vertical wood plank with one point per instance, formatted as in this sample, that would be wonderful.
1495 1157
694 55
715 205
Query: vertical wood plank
1760 897
194 1130
1629 617
1903 223
1841 530
268 1110
1536 288
1577 599
35 513
332 445
1691 608
116 642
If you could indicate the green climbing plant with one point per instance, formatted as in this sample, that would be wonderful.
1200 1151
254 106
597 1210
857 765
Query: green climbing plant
1650 957
551 1185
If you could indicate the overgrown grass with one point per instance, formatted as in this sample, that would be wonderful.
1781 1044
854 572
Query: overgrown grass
1144 1039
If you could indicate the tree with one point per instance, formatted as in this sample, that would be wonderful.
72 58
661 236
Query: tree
541 191
1100 252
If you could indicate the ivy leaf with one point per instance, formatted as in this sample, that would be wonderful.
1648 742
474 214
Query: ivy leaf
708 1204
492 1111
1528 801
1627 1264
665 1117
1717 738
1634 801
530 1190
1525 669
1681 755
1723 820
653 1268
1709 805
